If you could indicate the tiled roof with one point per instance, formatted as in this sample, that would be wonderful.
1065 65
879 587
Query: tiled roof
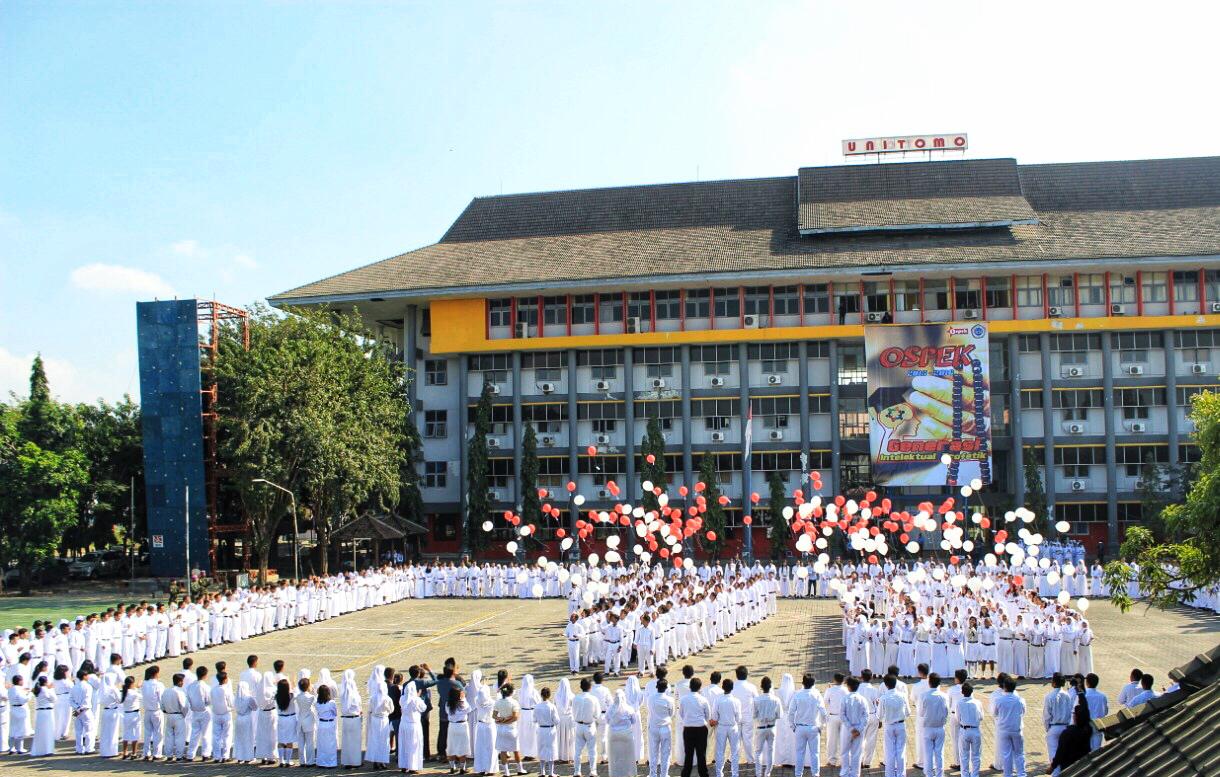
1107 210
924 195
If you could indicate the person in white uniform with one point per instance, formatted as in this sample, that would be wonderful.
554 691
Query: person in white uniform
807 714
587 713
222 706
765 712
933 711
969 732
855 721
546 719
726 719
661 710
892 712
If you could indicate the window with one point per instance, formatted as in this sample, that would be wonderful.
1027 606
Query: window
848 300
1195 355
669 305
1122 289
582 309
660 370
715 423
610 309
786 303
604 373
1137 342
604 425
998 293
555 311
435 474
758 300
967 295
1212 279
1030 400
639 306
1135 414
500 473
552 471
1074 357
1155 289
1061 291
1029 291
436 423
852 367
1139 397
436 372
775 366
906 295
547 374
819 403
1092 288
1196 338
1076 414
1074 342
877 296
527 311
728 303
599 358
1135 457
697 305
713 353
853 417
1077 398
775 422
499 312
717 368
817 299
936 294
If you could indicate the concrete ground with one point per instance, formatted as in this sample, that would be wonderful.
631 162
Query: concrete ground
526 637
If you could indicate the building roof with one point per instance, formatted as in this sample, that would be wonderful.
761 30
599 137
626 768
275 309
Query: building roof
385 526
956 194
1093 210
1173 735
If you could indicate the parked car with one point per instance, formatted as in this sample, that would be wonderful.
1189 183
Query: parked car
98 564
51 571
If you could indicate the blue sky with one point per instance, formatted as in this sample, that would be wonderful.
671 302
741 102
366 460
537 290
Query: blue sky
238 149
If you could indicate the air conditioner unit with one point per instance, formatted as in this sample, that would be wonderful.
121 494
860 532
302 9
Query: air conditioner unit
1055 311
716 380
522 330
547 388
658 383
1215 307
775 380
1139 427
972 315
750 322
493 442
548 441
494 388
717 436
602 385
1079 485
633 325
1074 371
775 434
497 495
603 493
874 318
1118 309
1074 427
1198 369
1133 369
603 439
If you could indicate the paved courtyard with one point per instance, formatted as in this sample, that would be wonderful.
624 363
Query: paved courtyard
526 637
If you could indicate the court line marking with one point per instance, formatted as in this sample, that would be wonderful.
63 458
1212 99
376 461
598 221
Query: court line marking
443 633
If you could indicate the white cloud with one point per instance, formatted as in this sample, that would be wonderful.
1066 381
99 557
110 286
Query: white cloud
115 374
246 261
188 248
15 376
116 279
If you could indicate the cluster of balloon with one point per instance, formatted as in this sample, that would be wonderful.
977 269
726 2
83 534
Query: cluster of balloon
870 525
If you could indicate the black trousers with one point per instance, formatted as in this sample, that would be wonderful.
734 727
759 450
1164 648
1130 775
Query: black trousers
423 722
694 748
442 739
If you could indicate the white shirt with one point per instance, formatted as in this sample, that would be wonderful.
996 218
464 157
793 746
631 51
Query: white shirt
694 710
806 708
661 710
969 713
765 710
893 707
727 711
933 709
586 709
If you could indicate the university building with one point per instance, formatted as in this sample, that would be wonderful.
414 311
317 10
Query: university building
711 305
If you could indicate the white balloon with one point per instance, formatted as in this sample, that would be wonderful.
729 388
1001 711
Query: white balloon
821 542
804 544
645 556
511 547
646 485
989 559
487 525
567 543
578 500
1064 597
663 500
976 484
912 547
967 490
637 549
968 546
1082 603
802 572
1052 577
542 562
522 576
688 563
788 512
638 512
524 531
1069 570
946 459
1063 527
612 541
562 575
612 557
593 562
537 590
641 530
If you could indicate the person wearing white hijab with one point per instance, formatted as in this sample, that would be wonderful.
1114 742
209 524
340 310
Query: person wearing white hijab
222 705
20 730
785 737
485 755
351 713
546 718
44 718
381 706
635 698
108 728
327 755
411 731
324 678
528 698
246 724
622 720
265 747
565 731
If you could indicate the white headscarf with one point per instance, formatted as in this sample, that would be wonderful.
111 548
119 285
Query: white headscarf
377 676
563 696
350 694
620 705
528 695
786 689
633 692
324 678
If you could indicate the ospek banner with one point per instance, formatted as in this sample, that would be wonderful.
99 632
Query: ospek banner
929 395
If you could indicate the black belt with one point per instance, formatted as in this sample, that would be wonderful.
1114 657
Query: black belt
584 723
987 644
612 641
130 712
527 709
892 722
269 709
172 713
573 639
288 714
542 726
351 716
326 720
760 728
907 642
967 726
115 707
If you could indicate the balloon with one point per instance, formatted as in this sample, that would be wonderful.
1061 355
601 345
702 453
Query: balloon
912 547
754 497
976 484
700 486
946 459
487 525
578 500
723 500
747 520
542 493
561 533
711 536
651 459
570 486
1062 527
612 541
511 547
537 590
592 450
567 543
1082 603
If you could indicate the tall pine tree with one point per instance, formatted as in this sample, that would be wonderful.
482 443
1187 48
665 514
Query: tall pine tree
1035 493
531 505
478 507
775 509
45 422
653 445
714 518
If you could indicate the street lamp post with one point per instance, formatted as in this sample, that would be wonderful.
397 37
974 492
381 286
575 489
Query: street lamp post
296 539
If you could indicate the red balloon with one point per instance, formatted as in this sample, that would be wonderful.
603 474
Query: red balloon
754 497
592 449
904 538
711 536
839 500
612 487
817 485
724 500
872 559
664 552
624 521
798 494
871 496
953 560
570 486
985 522
1018 579
747 520
651 459
542 493
873 531
1001 535
693 510
683 490
532 528
561 533
546 508
656 490
677 562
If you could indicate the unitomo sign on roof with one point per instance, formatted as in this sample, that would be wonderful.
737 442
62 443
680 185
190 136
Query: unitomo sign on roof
951 142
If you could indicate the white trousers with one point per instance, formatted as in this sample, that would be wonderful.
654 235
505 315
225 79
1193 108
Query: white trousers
833 727
574 655
934 752
307 742
153 723
969 751
586 741
869 748
728 738
222 737
895 739
199 739
175 736
764 750
850 749
807 742
1052 741
660 747
84 732
1012 753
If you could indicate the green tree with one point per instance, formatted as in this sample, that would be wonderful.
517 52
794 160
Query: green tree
111 440
1154 496
315 405
39 490
1035 493
714 518
775 511
478 507
50 425
653 445
411 499
531 505
1171 572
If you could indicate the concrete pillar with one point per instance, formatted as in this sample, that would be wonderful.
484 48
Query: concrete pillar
463 446
1014 414
803 366
630 491
835 440
410 326
688 465
1171 397
1048 426
1107 390
573 457
747 470
518 437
